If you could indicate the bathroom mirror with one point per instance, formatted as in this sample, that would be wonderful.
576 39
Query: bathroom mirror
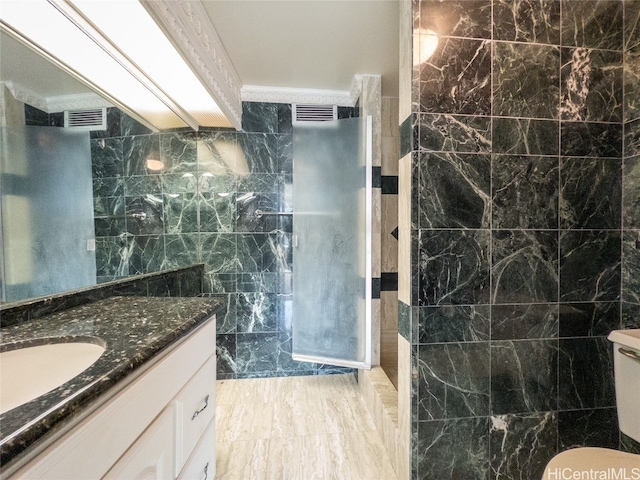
46 200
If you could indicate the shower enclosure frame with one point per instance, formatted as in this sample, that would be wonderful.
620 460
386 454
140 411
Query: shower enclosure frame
365 357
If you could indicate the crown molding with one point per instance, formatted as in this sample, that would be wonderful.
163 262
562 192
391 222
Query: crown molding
77 102
27 96
186 24
58 103
255 93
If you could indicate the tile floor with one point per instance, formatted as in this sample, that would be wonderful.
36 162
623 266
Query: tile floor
296 428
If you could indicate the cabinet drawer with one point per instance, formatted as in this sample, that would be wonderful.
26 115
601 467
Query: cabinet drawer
195 407
202 463
151 456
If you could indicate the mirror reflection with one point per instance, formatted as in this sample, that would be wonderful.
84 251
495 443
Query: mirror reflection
47 221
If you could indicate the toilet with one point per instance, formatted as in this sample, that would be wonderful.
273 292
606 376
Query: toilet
604 462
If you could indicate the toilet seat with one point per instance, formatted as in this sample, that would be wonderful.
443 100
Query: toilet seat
601 461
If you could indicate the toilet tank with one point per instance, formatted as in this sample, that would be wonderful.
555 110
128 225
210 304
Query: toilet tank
626 357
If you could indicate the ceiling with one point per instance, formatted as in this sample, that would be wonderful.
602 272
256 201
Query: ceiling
317 44
285 44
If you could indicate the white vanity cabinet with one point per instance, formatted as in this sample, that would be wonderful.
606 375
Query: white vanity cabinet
161 425
151 457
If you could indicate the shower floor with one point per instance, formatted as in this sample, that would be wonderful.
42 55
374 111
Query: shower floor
291 428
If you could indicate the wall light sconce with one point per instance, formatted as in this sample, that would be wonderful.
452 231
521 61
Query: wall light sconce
425 43
118 50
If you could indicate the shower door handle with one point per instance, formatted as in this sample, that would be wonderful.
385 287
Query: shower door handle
262 213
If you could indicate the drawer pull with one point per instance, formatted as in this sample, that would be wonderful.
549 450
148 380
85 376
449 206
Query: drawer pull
198 412
206 471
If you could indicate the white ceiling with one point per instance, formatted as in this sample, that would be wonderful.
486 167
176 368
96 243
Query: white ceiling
315 44
297 44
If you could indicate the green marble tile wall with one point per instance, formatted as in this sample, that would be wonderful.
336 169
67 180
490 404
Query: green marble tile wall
523 138
200 208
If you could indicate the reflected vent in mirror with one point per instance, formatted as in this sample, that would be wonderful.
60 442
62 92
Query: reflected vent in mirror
86 119
314 113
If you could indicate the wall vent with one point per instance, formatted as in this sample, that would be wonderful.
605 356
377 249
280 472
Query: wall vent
314 113
86 119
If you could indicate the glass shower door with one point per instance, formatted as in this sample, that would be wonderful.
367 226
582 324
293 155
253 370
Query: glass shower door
332 242
46 212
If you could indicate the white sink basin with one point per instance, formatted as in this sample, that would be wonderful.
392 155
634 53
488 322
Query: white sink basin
26 373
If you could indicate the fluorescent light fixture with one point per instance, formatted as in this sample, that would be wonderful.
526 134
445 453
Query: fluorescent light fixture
117 49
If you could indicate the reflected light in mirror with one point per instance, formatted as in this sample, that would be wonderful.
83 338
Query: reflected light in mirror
220 156
155 165
119 75
18 245
128 25
425 43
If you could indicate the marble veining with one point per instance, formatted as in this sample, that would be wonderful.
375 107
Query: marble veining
529 321
455 448
453 380
458 133
525 80
106 157
457 78
583 363
589 319
525 266
588 428
134 330
455 190
524 136
453 267
631 138
589 139
558 270
590 265
456 18
524 376
136 150
521 445
591 193
630 267
631 80
525 191
259 153
180 250
178 152
591 85
147 254
592 23
217 212
533 21
454 323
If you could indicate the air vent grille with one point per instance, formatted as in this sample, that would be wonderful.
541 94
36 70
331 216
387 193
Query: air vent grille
314 113
86 119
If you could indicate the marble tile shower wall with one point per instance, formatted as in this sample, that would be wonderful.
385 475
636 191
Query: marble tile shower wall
201 209
518 229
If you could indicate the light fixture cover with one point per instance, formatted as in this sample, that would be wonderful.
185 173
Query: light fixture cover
117 50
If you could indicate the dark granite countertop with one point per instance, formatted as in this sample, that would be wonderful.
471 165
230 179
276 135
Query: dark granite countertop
133 331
